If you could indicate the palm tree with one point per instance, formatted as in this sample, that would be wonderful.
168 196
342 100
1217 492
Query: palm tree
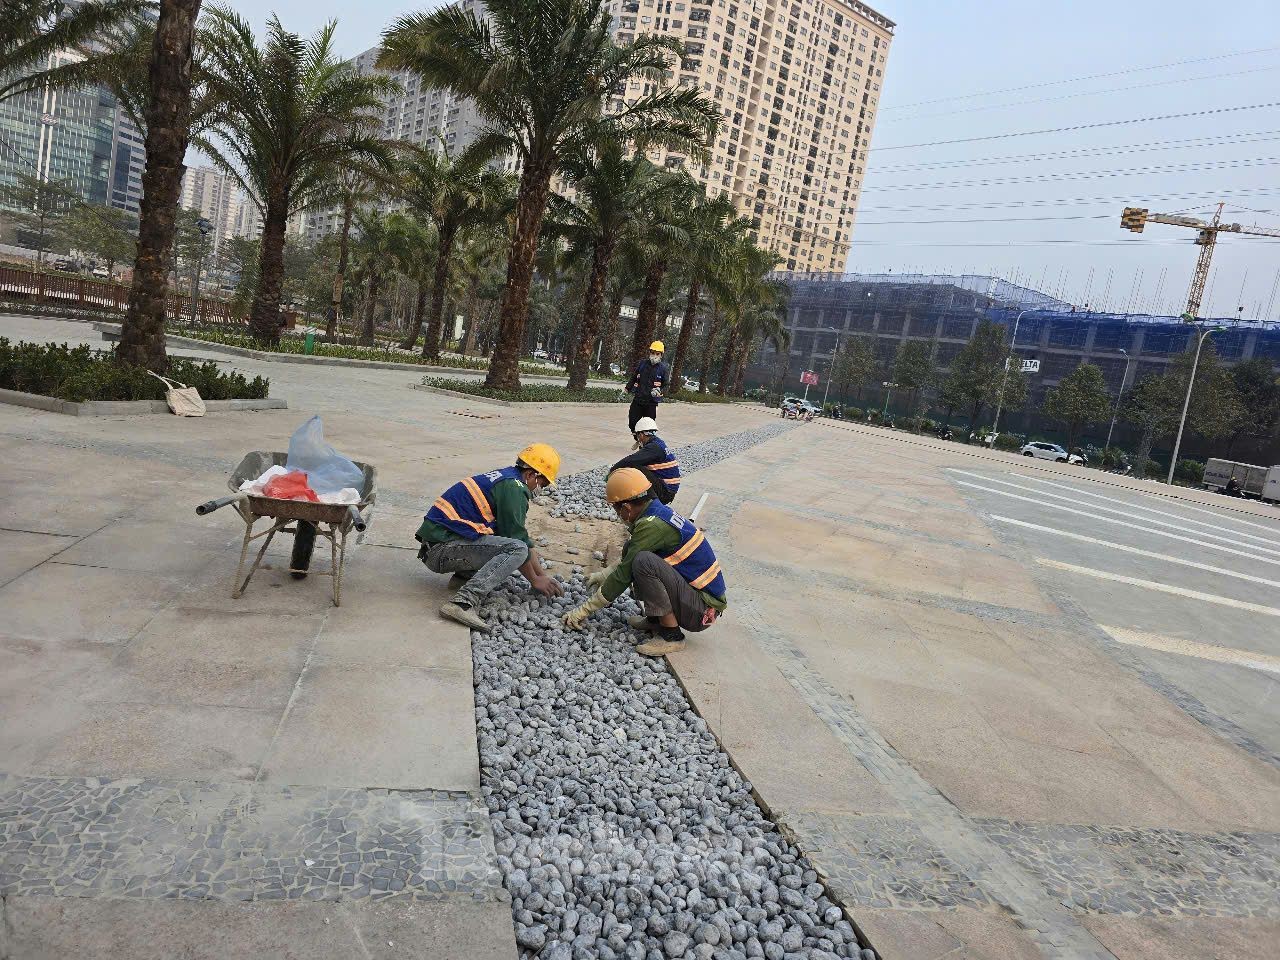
543 75
168 118
711 229
755 305
416 260
453 193
609 187
661 235
31 31
290 113
383 243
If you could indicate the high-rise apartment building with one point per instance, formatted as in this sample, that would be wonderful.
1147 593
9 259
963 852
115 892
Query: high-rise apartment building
798 84
214 195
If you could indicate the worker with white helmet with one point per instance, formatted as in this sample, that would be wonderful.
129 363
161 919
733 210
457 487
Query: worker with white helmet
653 458
476 530
668 563
648 385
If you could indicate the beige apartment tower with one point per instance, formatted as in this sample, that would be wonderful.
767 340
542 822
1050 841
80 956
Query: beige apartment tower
798 83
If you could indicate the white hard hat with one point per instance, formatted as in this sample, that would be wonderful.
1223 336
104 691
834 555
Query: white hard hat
646 425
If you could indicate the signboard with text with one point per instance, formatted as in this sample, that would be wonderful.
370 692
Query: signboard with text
1030 366
809 378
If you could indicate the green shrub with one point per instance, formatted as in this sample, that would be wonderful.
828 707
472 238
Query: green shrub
1152 468
853 413
1189 471
81 373
530 392
692 396
1009 441
294 343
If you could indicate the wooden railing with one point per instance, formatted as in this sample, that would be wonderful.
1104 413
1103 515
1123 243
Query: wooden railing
85 293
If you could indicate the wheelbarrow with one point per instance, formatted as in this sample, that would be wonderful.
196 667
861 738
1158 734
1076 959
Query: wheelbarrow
333 521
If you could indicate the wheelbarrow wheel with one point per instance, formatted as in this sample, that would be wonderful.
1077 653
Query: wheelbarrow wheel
304 543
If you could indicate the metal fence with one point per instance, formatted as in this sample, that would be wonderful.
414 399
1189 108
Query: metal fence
19 285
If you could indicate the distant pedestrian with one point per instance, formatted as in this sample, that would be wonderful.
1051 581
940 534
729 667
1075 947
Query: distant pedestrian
647 385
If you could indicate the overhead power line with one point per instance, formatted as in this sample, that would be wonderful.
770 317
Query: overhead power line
1028 204
1084 126
1084 93
1193 143
1082 175
1081 79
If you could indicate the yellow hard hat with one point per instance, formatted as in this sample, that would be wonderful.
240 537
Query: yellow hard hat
543 458
657 347
626 483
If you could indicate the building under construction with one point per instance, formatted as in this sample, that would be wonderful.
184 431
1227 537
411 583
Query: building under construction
945 310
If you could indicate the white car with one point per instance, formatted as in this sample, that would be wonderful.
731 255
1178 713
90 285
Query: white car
1050 451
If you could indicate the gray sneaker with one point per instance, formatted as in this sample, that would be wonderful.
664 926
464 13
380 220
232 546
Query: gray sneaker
463 615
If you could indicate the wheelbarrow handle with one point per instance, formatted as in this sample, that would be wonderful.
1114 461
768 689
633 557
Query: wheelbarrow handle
211 505
357 521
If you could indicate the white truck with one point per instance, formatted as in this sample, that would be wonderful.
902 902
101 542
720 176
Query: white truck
1271 486
1250 477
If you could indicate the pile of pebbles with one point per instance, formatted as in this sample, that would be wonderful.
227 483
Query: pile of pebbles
621 829
579 495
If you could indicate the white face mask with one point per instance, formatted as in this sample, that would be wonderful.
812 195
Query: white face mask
655 357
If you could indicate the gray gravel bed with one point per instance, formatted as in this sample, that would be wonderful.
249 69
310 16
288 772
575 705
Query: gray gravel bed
579 495
621 828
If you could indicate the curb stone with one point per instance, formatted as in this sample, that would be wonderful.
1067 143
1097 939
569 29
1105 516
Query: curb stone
127 408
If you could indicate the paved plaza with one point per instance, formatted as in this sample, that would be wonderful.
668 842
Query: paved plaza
1007 709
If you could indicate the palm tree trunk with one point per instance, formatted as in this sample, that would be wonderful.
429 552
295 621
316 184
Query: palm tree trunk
264 315
589 325
531 205
609 338
740 367
647 315
686 331
440 280
419 315
142 340
726 363
709 347
340 275
371 308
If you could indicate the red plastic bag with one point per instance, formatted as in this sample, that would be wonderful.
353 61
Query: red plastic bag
290 486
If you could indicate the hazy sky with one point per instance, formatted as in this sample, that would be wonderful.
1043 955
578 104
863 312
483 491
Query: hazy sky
1070 205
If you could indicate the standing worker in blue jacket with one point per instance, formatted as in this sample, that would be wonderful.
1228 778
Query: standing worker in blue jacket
647 385
476 529
654 459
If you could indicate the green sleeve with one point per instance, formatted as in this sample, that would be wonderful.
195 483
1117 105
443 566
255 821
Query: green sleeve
649 533
510 505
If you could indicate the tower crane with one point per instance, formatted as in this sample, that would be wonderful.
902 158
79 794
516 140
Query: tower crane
1135 218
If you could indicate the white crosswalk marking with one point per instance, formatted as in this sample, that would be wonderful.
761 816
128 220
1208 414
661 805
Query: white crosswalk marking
1123 523
1121 513
1125 548
1189 648
1161 587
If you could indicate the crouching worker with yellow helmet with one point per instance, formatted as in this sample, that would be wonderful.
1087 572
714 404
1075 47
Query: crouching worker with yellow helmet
475 529
668 564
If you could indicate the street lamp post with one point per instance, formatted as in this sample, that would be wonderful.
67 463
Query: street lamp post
204 226
888 388
1186 401
1116 409
995 425
831 367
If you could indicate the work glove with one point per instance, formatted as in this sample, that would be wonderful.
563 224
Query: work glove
600 576
575 617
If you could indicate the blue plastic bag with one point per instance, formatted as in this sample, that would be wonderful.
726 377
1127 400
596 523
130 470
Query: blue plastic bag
327 470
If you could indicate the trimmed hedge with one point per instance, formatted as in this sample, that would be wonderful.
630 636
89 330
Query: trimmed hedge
692 396
530 392
293 343
81 373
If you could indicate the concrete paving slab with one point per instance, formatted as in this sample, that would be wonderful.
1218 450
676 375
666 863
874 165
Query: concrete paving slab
20 551
374 726
1219 938
104 606
211 658
54 928
964 934
150 546
181 741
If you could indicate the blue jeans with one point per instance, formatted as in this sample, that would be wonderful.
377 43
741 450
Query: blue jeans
490 558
